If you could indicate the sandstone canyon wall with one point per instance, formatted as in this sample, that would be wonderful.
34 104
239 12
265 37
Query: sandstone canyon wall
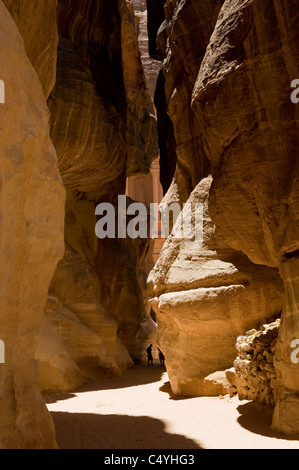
32 218
227 69
103 129
73 306
78 119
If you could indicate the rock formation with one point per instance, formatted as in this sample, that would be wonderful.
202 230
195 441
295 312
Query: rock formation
82 57
103 130
77 120
151 66
206 295
227 68
32 215
40 41
253 148
255 375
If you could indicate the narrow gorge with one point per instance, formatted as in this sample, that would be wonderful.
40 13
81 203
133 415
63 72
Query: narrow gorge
172 102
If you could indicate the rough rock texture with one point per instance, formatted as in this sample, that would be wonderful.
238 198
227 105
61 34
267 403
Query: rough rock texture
40 41
117 132
126 265
228 67
103 129
255 373
32 214
86 343
151 67
253 150
206 295
182 40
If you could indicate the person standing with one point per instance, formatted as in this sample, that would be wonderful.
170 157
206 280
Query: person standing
161 357
149 355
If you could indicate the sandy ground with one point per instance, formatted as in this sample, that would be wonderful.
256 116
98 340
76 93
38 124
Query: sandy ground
138 411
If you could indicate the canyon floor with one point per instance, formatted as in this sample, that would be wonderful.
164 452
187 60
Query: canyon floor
138 411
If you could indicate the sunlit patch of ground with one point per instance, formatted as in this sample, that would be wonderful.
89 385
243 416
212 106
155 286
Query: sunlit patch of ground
138 411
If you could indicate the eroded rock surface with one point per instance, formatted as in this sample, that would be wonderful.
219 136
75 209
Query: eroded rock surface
229 74
32 215
206 295
151 66
253 150
102 124
37 24
103 128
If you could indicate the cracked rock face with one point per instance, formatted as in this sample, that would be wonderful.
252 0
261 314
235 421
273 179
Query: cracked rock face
40 41
253 149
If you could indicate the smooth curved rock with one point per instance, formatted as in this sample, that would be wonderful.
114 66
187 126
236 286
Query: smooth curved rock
103 128
206 295
250 134
32 215
37 24
245 124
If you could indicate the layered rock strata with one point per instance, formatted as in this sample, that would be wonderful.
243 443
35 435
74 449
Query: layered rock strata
40 42
32 216
228 67
151 66
103 129
205 296
250 128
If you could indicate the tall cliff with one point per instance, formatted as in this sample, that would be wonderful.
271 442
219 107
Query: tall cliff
103 129
227 69
32 219
77 120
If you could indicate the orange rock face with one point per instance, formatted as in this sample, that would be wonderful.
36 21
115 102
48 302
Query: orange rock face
103 128
40 41
229 74
76 119
32 217
206 295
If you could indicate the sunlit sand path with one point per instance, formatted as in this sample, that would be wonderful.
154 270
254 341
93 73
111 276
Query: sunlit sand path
138 411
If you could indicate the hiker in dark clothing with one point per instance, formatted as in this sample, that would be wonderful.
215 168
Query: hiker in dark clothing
161 357
149 355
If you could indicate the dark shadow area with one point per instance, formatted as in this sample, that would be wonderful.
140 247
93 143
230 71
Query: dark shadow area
91 431
138 375
257 418
141 374
167 389
54 397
